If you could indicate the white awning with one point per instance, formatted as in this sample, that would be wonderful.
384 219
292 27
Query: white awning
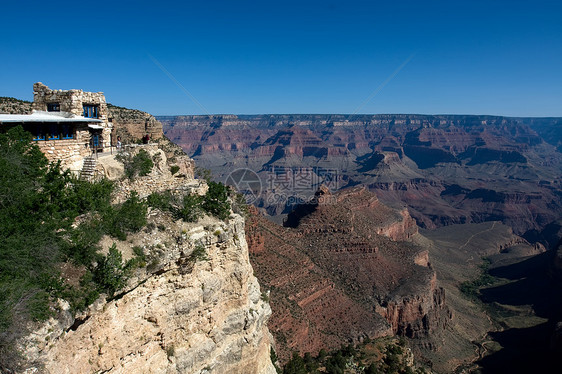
43 117
95 127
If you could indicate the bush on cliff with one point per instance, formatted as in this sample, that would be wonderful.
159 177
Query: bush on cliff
138 165
128 217
191 206
215 200
39 206
110 275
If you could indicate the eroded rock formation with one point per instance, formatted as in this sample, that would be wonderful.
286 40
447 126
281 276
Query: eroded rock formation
447 169
337 273
180 316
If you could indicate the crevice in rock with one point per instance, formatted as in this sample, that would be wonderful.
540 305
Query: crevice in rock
77 323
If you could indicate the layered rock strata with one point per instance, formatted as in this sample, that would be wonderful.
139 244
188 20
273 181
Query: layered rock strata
340 271
179 317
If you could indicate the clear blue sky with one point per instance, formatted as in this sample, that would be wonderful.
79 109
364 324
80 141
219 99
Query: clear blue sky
469 57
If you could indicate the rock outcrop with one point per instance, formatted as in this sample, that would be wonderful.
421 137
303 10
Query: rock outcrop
195 305
180 316
337 273
132 125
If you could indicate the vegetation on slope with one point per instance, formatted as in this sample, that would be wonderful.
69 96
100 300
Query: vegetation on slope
51 226
190 207
49 218
384 355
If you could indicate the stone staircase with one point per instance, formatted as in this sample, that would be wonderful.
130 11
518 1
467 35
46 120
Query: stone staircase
89 169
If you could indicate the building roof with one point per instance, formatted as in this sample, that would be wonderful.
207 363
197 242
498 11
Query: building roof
41 117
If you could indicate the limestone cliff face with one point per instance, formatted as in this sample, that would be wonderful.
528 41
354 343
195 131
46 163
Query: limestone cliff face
131 124
180 317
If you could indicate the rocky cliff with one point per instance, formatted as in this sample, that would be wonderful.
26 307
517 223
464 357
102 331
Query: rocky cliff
131 124
341 270
195 305
180 317
10 105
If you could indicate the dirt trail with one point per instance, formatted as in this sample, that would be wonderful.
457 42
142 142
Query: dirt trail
478 233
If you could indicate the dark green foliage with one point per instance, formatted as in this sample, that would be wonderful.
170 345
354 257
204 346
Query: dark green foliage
350 358
83 243
372 369
239 205
215 200
295 365
139 261
38 206
91 196
109 274
199 253
471 288
187 207
174 169
129 217
160 200
190 207
29 221
190 210
138 165
274 360
82 296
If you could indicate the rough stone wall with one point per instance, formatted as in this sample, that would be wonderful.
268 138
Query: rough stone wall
180 317
70 101
70 152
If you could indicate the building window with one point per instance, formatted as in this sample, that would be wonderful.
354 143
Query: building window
53 107
67 132
38 134
91 111
53 132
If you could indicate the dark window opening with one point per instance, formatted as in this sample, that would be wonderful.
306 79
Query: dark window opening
67 132
53 131
91 111
53 107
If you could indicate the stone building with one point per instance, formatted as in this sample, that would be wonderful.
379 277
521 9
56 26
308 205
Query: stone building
67 125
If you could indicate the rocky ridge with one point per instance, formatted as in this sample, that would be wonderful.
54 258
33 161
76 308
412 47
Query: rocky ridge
176 316
182 313
341 271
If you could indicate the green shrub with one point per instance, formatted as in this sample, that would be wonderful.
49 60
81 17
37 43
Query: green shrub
138 165
199 253
160 200
215 201
109 274
38 207
174 169
190 210
129 217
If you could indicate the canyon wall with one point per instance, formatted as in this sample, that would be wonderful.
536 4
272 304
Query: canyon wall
345 267
195 306
446 168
